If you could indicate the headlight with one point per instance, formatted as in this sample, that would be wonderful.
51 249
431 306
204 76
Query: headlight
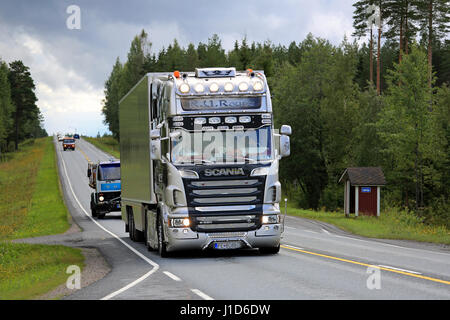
258 86
101 198
214 87
270 219
228 87
230 120
243 86
262 171
245 119
189 174
199 88
180 222
184 88
199 120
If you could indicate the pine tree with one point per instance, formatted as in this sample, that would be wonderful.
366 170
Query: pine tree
24 99
434 23
6 107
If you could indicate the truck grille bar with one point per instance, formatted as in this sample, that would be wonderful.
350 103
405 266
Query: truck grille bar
225 204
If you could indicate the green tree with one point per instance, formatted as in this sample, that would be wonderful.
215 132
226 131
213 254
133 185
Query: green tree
24 99
134 67
434 23
110 107
6 107
405 122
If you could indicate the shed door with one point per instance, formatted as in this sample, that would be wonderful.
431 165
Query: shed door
368 200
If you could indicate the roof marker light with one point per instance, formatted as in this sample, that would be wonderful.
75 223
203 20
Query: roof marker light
176 74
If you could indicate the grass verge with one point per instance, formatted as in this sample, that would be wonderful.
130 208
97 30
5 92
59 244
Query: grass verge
28 271
392 224
107 144
31 205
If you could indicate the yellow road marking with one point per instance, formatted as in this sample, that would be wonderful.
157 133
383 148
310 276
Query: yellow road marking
368 265
84 154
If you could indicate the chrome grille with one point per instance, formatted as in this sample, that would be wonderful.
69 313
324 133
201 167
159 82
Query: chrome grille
225 203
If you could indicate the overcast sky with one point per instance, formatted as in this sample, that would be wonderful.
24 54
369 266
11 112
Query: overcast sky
70 66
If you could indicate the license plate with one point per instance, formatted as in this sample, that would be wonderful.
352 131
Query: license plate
224 245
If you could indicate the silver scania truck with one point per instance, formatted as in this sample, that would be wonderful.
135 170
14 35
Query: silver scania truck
199 161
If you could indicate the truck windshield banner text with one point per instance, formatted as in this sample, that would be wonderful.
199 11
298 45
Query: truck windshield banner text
221 103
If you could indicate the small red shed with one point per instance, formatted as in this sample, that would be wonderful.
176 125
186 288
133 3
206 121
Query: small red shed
362 190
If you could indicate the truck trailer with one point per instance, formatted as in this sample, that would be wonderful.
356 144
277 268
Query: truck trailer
199 161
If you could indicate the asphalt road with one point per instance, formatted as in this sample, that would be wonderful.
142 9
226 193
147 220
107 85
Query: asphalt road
316 261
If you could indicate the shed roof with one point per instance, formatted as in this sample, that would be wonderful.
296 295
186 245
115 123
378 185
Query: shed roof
372 176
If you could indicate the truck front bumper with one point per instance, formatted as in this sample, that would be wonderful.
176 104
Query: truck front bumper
108 206
268 235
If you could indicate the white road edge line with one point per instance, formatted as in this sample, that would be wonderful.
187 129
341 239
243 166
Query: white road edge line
287 245
171 275
325 231
152 263
201 294
393 268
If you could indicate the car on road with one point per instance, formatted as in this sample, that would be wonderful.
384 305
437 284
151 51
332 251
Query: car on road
68 143
76 136
104 178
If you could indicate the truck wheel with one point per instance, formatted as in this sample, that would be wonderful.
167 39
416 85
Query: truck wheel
101 215
270 250
162 247
146 237
131 226
93 210
135 234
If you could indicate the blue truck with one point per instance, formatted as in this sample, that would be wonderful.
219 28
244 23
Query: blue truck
104 178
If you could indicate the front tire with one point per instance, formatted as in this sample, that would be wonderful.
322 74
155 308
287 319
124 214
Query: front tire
135 234
162 247
93 210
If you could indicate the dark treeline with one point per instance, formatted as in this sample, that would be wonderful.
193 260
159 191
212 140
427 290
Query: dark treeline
329 95
20 118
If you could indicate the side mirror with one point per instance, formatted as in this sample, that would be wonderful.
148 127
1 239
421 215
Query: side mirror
89 173
285 146
155 134
286 130
155 149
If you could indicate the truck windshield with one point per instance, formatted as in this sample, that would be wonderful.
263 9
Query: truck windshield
109 172
69 141
216 146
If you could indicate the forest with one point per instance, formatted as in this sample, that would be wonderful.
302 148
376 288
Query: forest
20 117
382 99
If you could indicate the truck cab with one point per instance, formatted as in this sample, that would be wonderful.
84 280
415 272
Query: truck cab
104 178
68 143
200 159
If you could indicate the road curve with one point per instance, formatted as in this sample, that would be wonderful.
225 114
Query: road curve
317 261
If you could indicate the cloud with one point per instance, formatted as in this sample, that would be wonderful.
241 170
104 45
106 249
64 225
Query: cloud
70 66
